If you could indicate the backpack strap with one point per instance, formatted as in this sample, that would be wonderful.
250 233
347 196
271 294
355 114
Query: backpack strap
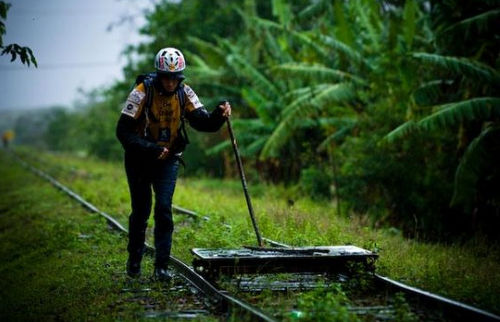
148 85
182 102
147 80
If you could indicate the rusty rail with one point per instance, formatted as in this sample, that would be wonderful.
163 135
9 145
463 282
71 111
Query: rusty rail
223 299
467 311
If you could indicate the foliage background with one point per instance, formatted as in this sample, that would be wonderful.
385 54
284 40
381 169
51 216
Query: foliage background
390 108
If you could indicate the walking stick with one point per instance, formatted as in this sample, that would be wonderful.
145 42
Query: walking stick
243 181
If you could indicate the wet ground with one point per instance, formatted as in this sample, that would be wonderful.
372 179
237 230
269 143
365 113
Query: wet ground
174 300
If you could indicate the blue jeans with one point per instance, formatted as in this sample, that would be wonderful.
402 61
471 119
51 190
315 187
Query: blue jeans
160 175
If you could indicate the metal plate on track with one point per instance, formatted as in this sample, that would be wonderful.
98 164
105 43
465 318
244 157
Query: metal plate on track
214 261
258 252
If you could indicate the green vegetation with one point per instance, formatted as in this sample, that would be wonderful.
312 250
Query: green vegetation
25 54
325 306
61 263
468 272
389 107
374 123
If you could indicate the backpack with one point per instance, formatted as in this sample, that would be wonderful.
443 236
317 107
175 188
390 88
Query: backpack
148 80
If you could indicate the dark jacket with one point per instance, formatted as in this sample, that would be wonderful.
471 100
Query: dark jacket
131 135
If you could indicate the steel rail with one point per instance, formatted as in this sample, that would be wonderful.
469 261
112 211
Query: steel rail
194 214
176 208
467 310
188 212
196 280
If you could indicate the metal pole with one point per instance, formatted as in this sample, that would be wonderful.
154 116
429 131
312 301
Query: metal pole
244 182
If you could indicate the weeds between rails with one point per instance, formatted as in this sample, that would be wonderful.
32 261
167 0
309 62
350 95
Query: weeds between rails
61 263
234 301
393 305
214 299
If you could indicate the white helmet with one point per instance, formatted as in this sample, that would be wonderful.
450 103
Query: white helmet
170 61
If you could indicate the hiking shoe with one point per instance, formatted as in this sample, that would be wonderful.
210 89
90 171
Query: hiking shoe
133 268
162 275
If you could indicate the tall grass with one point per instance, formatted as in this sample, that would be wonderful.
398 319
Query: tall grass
468 272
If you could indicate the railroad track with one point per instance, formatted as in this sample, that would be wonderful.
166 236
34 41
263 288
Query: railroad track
421 301
221 301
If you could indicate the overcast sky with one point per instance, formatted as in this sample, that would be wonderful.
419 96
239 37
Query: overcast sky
72 46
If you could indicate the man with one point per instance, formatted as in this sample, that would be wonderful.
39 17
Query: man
151 131
7 136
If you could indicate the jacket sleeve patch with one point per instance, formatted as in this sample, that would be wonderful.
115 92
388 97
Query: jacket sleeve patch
130 109
192 97
136 96
133 102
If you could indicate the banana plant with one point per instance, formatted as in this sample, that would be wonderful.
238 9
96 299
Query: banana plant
462 93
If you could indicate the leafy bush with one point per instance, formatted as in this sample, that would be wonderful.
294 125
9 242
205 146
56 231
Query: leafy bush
315 183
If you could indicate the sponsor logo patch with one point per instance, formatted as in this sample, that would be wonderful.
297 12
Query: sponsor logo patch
130 108
136 96
193 98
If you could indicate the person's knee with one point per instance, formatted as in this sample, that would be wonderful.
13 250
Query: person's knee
141 207
163 208
163 218
138 219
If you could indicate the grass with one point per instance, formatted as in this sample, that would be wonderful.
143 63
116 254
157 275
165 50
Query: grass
468 272
59 262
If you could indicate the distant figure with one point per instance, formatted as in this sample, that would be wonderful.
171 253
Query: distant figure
151 130
7 136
